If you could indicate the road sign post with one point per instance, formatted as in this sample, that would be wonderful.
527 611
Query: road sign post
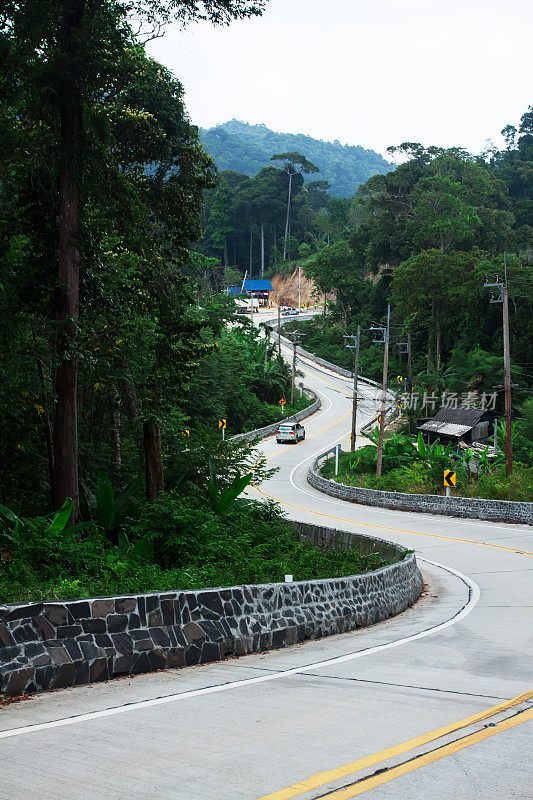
222 425
450 479
282 404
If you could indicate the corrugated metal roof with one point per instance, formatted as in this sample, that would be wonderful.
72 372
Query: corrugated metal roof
445 428
257 286
460 415
251 286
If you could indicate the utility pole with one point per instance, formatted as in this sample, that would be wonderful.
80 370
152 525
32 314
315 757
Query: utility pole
503 298
279 329
267 339
299 288
385 332
507 370
355 346
409 362
295 335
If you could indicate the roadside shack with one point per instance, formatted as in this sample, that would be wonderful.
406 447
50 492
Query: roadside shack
461 424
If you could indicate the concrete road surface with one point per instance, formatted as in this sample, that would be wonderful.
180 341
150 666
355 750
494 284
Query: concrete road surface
433 703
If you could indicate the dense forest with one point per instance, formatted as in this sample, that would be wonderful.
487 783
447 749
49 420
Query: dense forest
422 237
120 351
246 149
107 336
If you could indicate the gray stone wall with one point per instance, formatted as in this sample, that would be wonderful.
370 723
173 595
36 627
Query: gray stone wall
268 430
463 507
51 645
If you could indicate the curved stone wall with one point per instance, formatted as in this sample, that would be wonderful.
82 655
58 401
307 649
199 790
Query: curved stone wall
51 645
462 507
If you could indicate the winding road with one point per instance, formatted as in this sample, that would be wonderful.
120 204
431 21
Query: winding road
436 702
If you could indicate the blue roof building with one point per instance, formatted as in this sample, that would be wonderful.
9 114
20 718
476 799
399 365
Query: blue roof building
251 285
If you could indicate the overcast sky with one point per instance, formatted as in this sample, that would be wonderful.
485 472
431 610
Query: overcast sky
369 72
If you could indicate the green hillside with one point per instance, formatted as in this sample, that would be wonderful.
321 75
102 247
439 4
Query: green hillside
247 148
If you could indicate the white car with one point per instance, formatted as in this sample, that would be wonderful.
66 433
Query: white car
290 432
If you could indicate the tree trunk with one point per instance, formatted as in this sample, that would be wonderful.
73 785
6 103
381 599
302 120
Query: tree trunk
152 460
285 242
251 248
46 422
438 336
262 249
226 261
115 430
65 483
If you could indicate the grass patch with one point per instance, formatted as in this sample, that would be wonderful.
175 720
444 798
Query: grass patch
417 478
186 546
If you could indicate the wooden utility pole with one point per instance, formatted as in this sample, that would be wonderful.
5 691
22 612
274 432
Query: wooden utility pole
355 399
295 335
293 378
507 371
503 298
383 397
409 362
355 379
267 338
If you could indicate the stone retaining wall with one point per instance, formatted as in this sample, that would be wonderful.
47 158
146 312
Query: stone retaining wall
463 507
268 430
51 645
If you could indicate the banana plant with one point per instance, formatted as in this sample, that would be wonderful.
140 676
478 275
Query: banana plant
112 509
223 499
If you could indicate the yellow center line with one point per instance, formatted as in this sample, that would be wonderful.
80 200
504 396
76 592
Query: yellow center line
429 758
321 778
335 388
394 529
327 427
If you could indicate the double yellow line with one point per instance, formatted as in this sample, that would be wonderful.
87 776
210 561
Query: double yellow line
394 529
320 779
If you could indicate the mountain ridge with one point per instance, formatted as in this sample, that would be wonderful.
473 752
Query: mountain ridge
247 148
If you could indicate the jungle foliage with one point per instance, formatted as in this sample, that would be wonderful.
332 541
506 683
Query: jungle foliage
426 238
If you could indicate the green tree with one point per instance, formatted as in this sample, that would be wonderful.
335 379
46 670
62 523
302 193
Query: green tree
293 163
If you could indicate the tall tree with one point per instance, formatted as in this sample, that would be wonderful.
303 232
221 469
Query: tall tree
293 163
70 46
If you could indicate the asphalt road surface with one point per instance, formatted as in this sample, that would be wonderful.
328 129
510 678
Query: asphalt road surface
436 702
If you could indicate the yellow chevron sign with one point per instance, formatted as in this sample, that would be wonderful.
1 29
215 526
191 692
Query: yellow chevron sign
449 477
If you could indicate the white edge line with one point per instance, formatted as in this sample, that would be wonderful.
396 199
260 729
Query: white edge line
474 595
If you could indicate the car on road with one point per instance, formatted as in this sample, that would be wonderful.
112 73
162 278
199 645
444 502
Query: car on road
290 311
290 432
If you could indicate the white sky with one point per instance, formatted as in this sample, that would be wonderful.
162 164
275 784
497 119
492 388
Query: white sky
369 72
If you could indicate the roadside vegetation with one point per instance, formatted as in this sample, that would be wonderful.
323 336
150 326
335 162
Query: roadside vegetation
119 350
412 466
199 535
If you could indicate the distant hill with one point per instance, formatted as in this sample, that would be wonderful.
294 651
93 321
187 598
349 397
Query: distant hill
247 149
